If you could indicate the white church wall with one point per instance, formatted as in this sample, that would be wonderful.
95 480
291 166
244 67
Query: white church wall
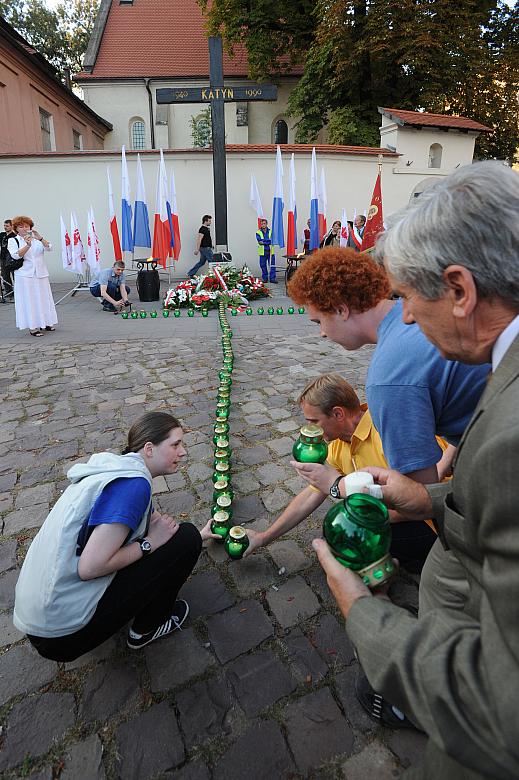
43 186
414 146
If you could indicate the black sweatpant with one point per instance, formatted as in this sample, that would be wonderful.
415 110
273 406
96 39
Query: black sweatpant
145 591
410 543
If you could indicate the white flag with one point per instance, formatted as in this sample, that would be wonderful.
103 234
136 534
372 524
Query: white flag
254 198
344 229
78 253
93 251
66 247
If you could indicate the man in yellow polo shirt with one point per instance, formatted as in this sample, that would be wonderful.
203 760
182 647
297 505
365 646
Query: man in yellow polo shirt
353 443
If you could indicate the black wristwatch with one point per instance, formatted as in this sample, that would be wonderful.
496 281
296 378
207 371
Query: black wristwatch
334 490
145 546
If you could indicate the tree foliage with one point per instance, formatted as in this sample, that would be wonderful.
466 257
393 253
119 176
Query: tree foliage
60 35
445 56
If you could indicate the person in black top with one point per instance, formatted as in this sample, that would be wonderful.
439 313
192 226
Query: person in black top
6 283
204 245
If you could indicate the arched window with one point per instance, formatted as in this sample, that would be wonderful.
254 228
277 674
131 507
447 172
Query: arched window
281 132
138 134
435 156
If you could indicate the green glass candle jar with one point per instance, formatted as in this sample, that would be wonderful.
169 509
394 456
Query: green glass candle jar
222 456
222 414
236 542
359 533
270 310
176 312
221 428
221 470
261 310
223 405
222 444
279 310
124 315
153 315
220 526
290 310
227 381
234 312
190 312
134 315
248 311
222 504
310 447
205 312
224 373
223 488
301 310
165 313
143 314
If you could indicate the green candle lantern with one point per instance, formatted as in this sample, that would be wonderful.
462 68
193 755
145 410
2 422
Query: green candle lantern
310 447
124 315
190 312
134 315
223 504
153 315
220 526
165 313
222 488
236 542
359 533
143 314
279 310
248 311
290 310
301 310
222 443
176 312
234 312
205 312
270 310
221 470
223 374
261 310
221 428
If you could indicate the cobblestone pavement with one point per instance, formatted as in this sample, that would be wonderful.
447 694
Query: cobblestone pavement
259 684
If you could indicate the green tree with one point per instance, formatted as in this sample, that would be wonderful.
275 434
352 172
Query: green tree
201 129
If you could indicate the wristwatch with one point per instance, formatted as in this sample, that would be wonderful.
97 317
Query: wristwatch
334 490
145 546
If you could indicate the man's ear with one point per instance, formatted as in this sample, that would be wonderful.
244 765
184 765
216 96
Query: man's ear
339 413
461 290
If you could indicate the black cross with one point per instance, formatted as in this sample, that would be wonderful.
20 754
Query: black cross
217 94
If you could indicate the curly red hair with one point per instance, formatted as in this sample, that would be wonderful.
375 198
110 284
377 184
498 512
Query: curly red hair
21 220
336 275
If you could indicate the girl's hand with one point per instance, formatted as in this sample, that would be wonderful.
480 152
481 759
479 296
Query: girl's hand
162 528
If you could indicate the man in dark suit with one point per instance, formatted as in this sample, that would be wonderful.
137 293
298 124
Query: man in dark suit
454 670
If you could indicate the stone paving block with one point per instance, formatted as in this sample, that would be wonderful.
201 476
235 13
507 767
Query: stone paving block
7 481
294 601
259 680
69 449
175 481
176 659
245 483
203 709
191 771
271 474
160 485
7 585
84 760
251 456
247 508
41 494
148 744
7 555
374 760
6 501
252 574
43 774
206 594
176 502
317 731
305 661
331 639
275 500
282 446
253 407
408 745
199 472
287 554
238 630
8 633
344 684
254 420
38 474
34 724
216 551
279 414
295 484
201 452
319 585
109 688
286 426
22 519
100 653
259 754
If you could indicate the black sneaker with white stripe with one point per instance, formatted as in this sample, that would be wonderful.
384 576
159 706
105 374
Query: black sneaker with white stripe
136 641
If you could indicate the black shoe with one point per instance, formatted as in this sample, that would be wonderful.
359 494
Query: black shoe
273 281
136 641
109 308
378 709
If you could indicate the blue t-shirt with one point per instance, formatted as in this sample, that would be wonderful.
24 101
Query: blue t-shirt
123 501
413 394
106 275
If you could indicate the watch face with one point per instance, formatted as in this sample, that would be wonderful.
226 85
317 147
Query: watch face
145 546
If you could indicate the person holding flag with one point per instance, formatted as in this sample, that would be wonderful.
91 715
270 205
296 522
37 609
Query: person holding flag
375 221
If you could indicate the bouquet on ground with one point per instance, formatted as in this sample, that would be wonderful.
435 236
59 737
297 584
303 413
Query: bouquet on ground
225 282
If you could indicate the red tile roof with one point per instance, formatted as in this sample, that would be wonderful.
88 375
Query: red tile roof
158 38
422 119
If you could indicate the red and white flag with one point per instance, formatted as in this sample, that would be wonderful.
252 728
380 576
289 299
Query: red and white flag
174 225
345 230
292 211
161 231
66 247
322 203
374 221
78 253
93 251
114 230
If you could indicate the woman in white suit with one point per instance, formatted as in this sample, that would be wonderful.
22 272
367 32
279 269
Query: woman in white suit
33 299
